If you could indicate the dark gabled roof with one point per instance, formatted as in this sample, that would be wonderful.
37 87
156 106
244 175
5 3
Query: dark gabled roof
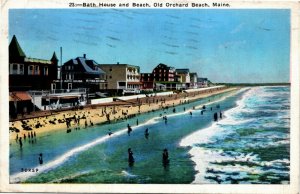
199 79
15 49
88 65
193 74
121 64
164 66
182 70
54 58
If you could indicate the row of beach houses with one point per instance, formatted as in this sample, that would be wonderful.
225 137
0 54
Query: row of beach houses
43 82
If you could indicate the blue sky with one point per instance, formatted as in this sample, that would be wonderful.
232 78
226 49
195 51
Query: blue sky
229 45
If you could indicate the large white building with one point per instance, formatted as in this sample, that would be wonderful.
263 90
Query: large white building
122 78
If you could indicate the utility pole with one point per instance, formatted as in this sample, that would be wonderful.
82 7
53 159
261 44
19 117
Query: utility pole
60 72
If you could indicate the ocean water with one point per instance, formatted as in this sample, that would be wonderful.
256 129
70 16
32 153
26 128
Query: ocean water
237 149
251 145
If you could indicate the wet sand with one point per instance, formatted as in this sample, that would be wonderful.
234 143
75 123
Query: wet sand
111 112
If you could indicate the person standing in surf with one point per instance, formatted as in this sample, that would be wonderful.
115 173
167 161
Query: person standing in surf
146 133
20 142
41 159
215 116
130 157
129 129
165 157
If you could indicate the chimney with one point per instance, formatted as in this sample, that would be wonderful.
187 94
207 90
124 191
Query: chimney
84 55
118 63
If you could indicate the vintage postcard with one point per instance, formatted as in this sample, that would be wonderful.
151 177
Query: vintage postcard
150 96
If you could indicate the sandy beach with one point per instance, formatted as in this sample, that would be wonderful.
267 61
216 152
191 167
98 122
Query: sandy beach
110 112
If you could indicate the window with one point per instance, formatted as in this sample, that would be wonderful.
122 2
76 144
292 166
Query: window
70 76
36 70
122 84
30 70
14 69
46 70
21 69
53 86
69 86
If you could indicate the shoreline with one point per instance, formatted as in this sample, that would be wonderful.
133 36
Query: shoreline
105 113
101 139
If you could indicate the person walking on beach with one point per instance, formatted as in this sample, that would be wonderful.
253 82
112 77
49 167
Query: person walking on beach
24 137
20 142
220 115
130 157
165 157
41 158
17 137
146 133
137 122
191 113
